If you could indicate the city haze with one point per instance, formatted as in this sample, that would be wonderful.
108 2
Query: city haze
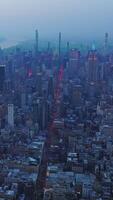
76 19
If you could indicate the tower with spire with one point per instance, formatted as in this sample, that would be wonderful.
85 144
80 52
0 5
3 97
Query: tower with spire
36 42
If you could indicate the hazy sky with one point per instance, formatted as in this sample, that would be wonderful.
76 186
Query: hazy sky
74 18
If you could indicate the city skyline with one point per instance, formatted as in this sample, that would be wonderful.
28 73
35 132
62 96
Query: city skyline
56 100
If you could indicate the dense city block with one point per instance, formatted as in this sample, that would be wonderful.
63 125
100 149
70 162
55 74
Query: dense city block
56 123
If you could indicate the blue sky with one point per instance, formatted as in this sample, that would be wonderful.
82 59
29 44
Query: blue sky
74 18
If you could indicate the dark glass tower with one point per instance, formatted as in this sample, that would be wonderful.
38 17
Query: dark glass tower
2 77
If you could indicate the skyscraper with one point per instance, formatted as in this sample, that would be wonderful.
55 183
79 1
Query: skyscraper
36 111
11 115
74 63
68 46
36 42
50 87
41 111
2 77
93 66
39 83
59 47
76 95
48 47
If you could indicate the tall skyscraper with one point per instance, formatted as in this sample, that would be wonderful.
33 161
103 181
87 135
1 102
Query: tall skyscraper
48 47
93 67
36 111
68 47
11 115
39 83
36 42
2 77
74 63
76 97
51 87
41 111
59 47
105 45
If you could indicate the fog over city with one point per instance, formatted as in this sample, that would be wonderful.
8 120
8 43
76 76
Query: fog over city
76 19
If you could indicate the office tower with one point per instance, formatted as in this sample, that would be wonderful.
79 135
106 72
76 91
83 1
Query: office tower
40 114
74 63
36 113
36 42
39 83
18 59
105 45
45 113
11 115
92 90
76 95
2 77
50 87
41 110
2 116
93 67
